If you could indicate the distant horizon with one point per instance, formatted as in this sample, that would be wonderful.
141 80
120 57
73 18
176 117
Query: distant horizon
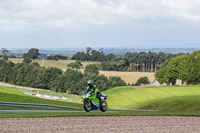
102 47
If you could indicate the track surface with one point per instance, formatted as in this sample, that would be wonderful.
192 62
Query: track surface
14 104
69 111
127 124
47 111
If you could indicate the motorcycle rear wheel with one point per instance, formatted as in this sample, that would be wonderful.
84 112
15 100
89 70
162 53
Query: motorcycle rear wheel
103 106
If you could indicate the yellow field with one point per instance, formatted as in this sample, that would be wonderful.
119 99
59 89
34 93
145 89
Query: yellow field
52 63
129 77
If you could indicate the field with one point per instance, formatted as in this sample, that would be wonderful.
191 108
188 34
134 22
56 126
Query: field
129 77
62 64
8 94
157 98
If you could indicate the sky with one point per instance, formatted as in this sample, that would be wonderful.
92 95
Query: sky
99 23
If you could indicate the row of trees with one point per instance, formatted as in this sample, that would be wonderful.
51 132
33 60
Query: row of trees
32 54
184 67
142 61
147 61
56 57
71 81
90 55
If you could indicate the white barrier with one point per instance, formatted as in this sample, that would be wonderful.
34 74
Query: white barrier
52 97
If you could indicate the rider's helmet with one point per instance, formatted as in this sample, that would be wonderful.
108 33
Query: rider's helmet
90 82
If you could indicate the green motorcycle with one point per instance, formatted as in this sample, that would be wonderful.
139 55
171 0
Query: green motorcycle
91 102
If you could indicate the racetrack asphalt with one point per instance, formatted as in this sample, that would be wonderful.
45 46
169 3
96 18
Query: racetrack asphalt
14 104
48 111
68 111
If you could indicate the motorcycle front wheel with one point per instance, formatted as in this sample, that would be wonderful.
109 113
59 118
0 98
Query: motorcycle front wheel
87 105
103 106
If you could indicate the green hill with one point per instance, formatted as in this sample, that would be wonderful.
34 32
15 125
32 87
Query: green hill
159 98
12 95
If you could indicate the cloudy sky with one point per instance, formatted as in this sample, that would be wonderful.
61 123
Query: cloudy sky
99 23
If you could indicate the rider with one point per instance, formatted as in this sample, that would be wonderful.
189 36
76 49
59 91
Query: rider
92 87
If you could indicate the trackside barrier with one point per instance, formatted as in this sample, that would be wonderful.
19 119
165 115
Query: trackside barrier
29 92
48 96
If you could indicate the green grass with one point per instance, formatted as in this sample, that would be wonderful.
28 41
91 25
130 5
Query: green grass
126 113
10 95
74 98
176 98
170 101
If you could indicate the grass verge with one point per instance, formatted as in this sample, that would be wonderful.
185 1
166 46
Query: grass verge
128 113
8 94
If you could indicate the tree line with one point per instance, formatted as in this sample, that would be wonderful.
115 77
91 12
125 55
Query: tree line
70 81
56 57
184 67
137 61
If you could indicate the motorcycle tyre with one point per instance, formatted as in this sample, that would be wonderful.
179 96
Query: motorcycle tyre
102 108
86 109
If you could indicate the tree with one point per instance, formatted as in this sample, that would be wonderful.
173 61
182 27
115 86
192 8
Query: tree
27 59
4 51
142 80
36 64
72 81
56 57
190 71
76 64
33 53
171 70
116 81
79 63
110 57
88 52
5 68
80 56
106 66
91 69
97 56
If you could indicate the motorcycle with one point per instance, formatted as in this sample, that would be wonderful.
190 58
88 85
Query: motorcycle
91 102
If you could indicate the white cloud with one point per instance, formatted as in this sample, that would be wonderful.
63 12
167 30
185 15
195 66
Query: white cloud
73 13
